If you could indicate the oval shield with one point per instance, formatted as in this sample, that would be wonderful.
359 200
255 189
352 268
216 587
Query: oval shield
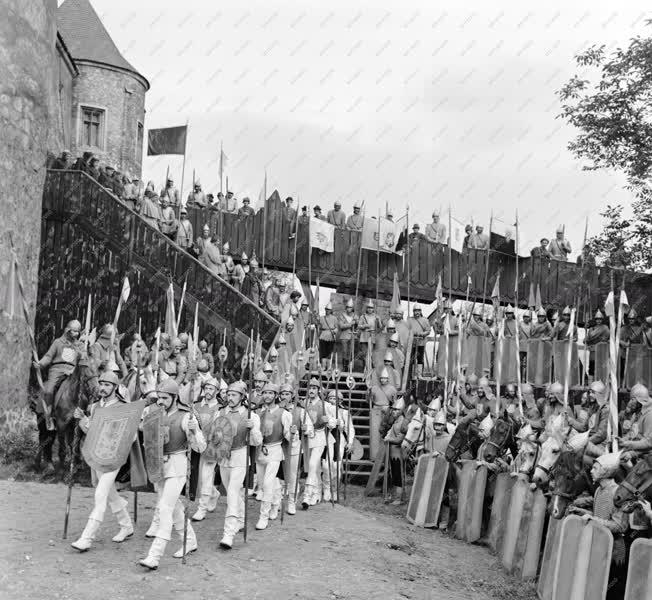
219 439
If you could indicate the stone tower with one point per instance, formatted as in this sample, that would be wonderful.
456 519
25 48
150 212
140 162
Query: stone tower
108 95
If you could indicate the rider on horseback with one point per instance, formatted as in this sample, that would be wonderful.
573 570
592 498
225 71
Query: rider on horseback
61 358
107 350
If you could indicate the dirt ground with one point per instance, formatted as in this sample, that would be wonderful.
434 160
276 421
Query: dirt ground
342 553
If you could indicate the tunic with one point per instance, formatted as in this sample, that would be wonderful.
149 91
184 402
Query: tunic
436 232
420 327
328 326
355 222
185 234
173 196
597 334
336 217
541 331
559 249
368 324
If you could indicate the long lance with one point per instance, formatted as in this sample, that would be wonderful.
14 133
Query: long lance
571 327
251 386
486 265
349 384
71 477
137 393
301 454
336 447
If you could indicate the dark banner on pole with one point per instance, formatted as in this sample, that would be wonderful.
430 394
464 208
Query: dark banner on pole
169 140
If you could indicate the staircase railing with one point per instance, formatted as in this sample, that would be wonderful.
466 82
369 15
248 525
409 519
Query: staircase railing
75 195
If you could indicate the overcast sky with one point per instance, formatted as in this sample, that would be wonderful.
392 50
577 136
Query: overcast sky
419 103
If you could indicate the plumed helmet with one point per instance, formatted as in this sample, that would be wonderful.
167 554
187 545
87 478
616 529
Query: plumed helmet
440 417
168 386
239 387
109 376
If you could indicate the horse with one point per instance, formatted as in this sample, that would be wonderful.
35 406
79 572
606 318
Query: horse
502 437
635 486
78 389
466 438
526 459
571 477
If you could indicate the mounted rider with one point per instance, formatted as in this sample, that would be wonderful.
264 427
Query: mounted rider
107 350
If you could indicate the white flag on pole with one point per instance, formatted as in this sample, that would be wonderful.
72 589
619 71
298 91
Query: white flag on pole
322 235
262 196
457 234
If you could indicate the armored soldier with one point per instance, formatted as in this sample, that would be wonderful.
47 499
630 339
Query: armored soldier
206 409
395 437
327 334
339 440
398 357
542 329
388 366
233 468
632 331
420 327
347 323
402 328
436 231
560 330
197 196
273 303
510 322
301 425
643 427
60 360
276 426
382 397
182 429
369 325
322 416
206 355
477 326
105 492
171 193
560 247
173 363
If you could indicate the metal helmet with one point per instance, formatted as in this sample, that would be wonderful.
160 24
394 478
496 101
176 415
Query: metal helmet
349 303
526 388
435 404
314 382
640 393
168 386
566 311
109 376
632 314
440 417
202 366
509 310
394 338
271 387
239 387
472 380
399 403
600 391
542 312
183 338
598 315
273 353
286 387
391 324
212 382
556 390
260 376
389 357
331 395
369 304
384 374
483 382
267 367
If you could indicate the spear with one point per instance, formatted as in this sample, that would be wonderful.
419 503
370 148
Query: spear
336 447
349 383
328 451
251 386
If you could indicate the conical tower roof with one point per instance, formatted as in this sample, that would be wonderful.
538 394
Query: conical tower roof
87 39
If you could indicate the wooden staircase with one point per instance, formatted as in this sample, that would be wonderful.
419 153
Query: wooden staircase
359 470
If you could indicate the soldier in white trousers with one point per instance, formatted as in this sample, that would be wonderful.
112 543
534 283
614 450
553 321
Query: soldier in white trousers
276 426
233 468
302 425
322 415
206 409
346 433
105 492
183 429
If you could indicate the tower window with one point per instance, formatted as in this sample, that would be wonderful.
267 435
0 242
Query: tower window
139 140
92 127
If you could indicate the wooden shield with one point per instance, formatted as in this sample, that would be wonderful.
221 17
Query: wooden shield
219 439
428 490
583 560
153 441
560 361
548 560
470 500
509 360
524 530
539 362
476 354
639 572
499 511
112 431
449 358
639 365
601 362
357 450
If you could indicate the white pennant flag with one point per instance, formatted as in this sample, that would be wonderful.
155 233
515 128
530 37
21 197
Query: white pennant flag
322 235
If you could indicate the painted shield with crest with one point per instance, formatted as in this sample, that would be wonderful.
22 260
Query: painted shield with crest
219 439
154 432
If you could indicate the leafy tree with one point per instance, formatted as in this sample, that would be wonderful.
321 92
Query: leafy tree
614 116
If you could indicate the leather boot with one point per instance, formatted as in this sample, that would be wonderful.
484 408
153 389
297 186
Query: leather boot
155 553
126 528
85 540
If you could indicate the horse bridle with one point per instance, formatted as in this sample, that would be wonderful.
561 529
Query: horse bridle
637 492
500 447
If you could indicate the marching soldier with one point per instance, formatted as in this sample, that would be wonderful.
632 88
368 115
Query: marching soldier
106 349
173 363
339 440
301 425
560 330
542 329
420 327
321 415
183 429
327 335
61 359
233 468
105 492
369 325
276 426
347 323
206 409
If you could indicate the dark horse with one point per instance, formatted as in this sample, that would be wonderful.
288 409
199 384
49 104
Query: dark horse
571 477
501 438
78 389
466 439
636 485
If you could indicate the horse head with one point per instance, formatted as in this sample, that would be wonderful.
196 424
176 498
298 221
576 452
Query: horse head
527 457
636 485
570 480
465 437
414 427
548 457
500 437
